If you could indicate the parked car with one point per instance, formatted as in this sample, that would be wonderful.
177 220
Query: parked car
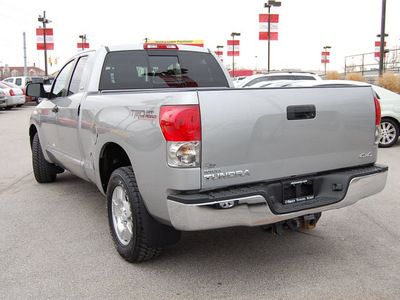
15 95
390 106
3 100
22 81
251 80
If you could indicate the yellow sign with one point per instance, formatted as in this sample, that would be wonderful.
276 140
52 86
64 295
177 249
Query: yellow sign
199 43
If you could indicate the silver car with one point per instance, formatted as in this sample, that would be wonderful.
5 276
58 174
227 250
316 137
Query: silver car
15 95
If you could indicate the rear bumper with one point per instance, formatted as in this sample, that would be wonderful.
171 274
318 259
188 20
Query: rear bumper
257 205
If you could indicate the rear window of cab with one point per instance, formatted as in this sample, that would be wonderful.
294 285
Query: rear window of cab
137 69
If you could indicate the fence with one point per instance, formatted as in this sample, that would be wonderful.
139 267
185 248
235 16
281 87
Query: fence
368 64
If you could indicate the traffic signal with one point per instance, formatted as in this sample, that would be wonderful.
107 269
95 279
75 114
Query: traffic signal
34 65
50 62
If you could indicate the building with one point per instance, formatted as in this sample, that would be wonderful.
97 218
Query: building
19 71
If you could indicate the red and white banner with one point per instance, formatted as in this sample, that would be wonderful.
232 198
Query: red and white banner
40 39
231 50
220 54
274 21
325 57
83 46
378 50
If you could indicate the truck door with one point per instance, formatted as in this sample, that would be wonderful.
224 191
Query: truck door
68 91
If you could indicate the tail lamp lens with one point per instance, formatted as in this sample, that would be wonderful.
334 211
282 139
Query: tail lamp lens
180 123
12 93
181 128
377 111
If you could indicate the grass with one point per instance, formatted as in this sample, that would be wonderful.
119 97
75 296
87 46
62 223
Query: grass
389 81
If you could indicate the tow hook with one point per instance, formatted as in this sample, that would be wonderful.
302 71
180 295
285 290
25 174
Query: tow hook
304 222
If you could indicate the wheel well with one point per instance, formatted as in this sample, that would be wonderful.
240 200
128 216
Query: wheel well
32 132
392 119
112 158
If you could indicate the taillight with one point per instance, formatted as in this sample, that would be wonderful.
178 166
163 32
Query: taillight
160 46
180 123
378 114
377 111
12 93
181 127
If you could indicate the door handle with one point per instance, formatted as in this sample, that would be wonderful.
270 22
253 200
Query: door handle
301 112
55 109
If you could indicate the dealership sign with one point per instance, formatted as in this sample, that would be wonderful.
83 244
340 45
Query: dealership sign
40 39
274 20
199 43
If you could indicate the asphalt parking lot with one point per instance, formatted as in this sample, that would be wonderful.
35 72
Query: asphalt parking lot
55 244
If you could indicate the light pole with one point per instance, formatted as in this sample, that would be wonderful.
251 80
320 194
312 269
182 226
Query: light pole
44 22
268 5
233 34
382 36
83 37
219 47
326 55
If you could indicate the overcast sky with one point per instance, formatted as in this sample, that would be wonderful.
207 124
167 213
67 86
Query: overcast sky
349 26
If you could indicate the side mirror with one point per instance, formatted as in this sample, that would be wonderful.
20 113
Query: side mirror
36 90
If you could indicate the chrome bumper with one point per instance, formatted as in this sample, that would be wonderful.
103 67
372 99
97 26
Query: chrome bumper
255 211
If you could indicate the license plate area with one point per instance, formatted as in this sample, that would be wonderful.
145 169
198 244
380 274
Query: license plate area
297 191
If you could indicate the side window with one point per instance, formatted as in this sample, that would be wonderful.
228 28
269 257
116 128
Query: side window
18 81
77 76
61 85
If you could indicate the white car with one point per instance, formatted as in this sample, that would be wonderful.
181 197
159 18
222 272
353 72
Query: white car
15 95
3 100
255 79
390 106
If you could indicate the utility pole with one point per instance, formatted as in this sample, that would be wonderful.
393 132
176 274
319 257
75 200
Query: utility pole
25 67
44 22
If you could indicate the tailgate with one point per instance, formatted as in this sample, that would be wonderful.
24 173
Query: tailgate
251 135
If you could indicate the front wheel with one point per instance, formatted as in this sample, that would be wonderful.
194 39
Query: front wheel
389 133
44 171
125 216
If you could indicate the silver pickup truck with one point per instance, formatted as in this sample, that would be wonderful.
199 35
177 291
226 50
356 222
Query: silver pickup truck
162 132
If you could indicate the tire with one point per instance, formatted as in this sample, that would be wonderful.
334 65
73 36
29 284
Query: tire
44 172
389 133
126 217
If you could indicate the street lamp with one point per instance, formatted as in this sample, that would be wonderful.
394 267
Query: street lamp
44 22
268 5
83 37
219 47
326 55
233 34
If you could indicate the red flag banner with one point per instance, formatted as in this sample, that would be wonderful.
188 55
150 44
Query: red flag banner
230 48
220 54
83 46
40 39
274 20
325 57
378 50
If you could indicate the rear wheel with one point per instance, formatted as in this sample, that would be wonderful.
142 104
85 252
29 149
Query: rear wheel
389 133
125 216
44 171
